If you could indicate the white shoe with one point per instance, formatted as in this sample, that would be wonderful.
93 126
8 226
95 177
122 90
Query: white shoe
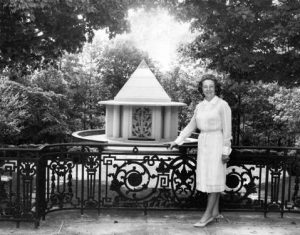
203 224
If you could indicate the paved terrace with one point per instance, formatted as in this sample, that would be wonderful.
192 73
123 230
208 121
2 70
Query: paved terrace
125 222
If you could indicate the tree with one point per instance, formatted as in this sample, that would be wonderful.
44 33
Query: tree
34 33
13 110
47 122
83 90
31 115
252 113
287 110
49 79
249 40
115 65
181 84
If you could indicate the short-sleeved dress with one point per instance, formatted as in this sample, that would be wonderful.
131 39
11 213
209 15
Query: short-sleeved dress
213 119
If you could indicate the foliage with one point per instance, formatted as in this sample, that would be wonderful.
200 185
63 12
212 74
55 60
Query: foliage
115 65
13 110
98 73
260 110
287 105
246 40
253 122
49 79
34 33
29 115
83 93
49 104
181 85
249 40
47 120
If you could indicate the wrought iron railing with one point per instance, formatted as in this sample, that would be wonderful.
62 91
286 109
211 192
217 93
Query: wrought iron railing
82 176
19 185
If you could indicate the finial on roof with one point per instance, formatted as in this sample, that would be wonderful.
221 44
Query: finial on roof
143 65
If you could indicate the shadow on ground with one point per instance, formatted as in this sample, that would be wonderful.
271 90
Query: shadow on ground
125 222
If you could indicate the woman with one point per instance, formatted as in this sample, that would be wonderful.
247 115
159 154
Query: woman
212 117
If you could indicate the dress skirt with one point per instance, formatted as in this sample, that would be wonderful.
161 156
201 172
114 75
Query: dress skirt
210 170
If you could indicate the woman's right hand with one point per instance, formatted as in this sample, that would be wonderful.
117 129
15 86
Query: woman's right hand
172 145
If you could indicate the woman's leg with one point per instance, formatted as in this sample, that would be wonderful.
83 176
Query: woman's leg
212 197
216 210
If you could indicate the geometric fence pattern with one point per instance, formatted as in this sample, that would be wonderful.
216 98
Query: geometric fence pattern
35 182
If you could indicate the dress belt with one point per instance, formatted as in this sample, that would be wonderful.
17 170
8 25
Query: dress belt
210 131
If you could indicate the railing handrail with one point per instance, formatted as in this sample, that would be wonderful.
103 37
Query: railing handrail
154 145
159 145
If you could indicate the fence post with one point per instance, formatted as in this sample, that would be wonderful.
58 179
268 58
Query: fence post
41 187
268 163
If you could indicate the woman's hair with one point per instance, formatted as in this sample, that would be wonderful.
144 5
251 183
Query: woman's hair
212 78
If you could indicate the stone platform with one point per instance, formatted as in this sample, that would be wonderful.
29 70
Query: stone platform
128 222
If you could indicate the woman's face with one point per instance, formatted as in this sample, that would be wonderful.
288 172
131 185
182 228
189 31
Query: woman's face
208 88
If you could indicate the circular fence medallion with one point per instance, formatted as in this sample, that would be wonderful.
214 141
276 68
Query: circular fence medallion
232 181
134 179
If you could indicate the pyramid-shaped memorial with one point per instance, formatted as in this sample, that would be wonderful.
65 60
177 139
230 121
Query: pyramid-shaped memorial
142 86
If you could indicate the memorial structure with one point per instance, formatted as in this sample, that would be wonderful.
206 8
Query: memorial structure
141 112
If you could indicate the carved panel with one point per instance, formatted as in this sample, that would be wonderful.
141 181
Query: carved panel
141 122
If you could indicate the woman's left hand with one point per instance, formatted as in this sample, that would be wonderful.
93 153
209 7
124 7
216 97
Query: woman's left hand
225 158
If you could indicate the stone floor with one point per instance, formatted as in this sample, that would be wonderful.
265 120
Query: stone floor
124 222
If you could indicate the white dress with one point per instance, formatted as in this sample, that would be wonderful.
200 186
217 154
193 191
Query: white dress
213 119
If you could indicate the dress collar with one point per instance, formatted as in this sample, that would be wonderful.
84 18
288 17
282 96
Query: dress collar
212 101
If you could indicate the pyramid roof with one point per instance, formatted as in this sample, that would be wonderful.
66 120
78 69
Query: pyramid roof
142 86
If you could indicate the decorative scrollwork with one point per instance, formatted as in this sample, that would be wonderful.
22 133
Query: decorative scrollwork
7 195
96 176
133 177
240 183
150 160
92 163
183 178
61 173
21 204
92 166
276 174
61 166
27 173
28 169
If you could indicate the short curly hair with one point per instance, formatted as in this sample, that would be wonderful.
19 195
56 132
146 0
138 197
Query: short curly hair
212 78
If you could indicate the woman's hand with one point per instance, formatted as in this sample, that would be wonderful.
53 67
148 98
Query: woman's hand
225 158
171 145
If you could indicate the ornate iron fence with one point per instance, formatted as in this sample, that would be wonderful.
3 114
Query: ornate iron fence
35 182
18 185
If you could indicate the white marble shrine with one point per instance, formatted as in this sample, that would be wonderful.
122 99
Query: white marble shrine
141 112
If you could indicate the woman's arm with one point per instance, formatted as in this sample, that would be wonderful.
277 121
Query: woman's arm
187 131
227 128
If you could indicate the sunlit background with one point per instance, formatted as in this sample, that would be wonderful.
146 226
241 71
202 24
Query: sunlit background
157 33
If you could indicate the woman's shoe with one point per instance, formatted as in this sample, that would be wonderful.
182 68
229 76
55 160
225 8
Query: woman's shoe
203 224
